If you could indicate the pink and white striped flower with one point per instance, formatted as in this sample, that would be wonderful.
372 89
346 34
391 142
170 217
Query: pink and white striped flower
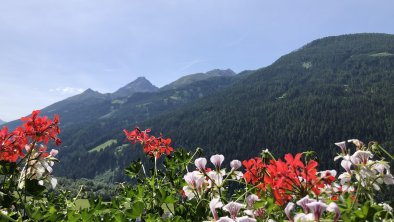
333 207
217 160
233 208
317 209
215 203
200 163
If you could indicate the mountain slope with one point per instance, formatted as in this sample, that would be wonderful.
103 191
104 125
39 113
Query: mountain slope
80 141
332 89
2 122
188 79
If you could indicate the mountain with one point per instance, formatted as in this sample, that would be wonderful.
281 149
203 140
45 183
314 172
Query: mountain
141 84
92 105
185 80
2 122
89 142
329 90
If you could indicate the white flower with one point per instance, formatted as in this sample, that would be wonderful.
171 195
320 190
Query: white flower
235 164
53 152
386 207
381 167
347 188
346 164
327 173
301 217
345 178
251 199
305 200
215 203
217 160
342 145
39 168
225 219
388 179
195 181
288 209
217 177
245 219
233 208
361 157
333 207
317 209
200 163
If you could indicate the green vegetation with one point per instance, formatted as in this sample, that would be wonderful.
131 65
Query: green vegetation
103 146
284 107
382 54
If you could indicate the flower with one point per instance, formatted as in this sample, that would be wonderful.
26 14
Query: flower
386 207
342 145
301 217
250 200
152 146
346 163
288 209
213 204
317 208
357 143
235 164
361 157
345 178
328 176
216 177
245 219
302 203
333 207
195 181
39 168
233 208
225 219
217 160
200 163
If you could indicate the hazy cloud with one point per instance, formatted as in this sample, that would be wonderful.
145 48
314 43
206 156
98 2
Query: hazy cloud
67 90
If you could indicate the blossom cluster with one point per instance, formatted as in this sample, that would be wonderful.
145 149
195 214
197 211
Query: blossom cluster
153 146
35 129
288 179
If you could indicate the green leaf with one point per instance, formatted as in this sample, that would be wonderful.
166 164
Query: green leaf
33 187
137 208
7 168
134 169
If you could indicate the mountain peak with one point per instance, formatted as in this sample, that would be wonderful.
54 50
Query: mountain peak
141 84
221 72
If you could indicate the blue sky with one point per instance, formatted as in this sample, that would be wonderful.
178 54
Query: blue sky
50 50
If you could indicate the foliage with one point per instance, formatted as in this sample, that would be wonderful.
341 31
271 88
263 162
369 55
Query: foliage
180 185
345 93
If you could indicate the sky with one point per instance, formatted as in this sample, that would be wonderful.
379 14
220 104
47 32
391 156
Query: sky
51 50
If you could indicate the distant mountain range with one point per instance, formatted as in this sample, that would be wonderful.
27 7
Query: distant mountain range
2 122
329 90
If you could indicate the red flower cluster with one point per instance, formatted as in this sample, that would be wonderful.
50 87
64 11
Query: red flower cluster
152 146
35 129
287 179
255 170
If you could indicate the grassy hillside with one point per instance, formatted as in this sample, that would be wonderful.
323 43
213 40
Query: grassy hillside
329 90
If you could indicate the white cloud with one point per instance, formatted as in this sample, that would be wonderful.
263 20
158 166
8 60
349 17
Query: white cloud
67 90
